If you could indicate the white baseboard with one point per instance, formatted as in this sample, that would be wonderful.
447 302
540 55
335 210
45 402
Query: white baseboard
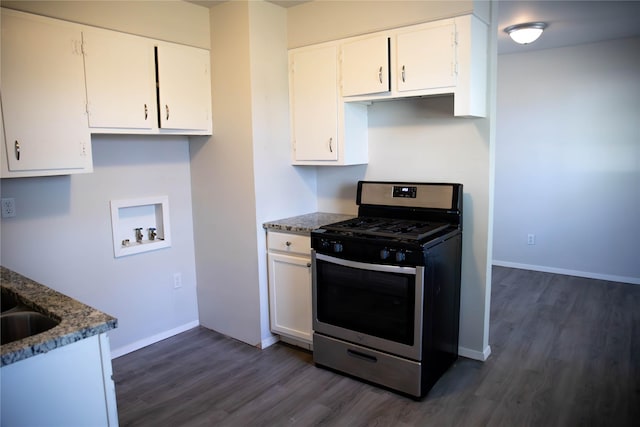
269 341
588 275
297 342
475 354
152 339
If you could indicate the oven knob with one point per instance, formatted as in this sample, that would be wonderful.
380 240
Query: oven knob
337 247
324 244
384 253
400 256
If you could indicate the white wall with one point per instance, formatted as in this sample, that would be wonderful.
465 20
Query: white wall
280 189
169 20
417 140
420 140
243 176
323 20
568 160
61 235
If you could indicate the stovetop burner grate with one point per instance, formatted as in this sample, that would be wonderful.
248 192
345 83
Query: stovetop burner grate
386 227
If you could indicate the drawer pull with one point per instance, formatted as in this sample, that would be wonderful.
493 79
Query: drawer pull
17 150
288 243
362 356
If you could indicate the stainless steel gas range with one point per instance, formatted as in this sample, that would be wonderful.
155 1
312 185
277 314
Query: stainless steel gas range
386 286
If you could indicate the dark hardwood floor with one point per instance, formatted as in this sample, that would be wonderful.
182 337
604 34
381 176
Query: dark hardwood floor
565 352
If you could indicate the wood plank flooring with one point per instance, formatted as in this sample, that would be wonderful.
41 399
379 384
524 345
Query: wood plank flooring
565 352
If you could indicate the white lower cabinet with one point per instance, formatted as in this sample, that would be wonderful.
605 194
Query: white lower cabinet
69 386
289 259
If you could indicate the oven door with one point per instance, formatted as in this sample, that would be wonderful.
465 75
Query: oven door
376 306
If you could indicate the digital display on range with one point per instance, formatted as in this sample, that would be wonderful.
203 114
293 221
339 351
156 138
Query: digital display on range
405 191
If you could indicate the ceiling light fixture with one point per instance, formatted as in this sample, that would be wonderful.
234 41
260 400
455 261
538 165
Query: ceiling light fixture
525 33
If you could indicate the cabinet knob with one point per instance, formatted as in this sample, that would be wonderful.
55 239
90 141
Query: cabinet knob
17 150
288 243
309 264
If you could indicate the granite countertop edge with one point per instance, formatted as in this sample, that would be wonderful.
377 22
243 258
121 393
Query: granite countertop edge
303 224
77 320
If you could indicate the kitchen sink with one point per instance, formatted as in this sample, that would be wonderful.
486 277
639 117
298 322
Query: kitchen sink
17 325
8 301
20 321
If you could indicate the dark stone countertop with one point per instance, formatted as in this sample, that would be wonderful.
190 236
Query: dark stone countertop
77 320
303 224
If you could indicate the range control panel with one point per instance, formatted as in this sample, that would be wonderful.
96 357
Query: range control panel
378 253
410 195
402 191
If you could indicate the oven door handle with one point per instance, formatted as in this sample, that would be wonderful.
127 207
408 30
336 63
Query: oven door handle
365 266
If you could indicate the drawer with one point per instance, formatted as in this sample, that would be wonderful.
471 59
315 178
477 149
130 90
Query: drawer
381 368
291 243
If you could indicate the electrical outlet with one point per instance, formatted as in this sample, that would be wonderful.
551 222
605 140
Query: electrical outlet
531 239
177 280
8 207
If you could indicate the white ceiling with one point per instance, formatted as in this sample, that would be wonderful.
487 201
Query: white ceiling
283 3
569 22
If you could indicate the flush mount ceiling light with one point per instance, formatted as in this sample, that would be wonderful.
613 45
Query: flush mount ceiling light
525 33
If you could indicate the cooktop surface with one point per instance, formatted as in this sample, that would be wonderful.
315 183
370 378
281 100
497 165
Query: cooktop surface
387 227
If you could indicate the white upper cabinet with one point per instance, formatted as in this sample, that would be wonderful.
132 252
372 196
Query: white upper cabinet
365 66
314 104
472 53
184 86
62 81
122 78
442 57
448 56
426 58
120 72
43 98
324 130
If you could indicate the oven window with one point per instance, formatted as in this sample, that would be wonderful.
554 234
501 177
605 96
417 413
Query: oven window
371 302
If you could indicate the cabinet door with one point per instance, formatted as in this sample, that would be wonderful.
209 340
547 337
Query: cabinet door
365 66
67 386
184 87
120 73
314 103
43 97
290 296
426 58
